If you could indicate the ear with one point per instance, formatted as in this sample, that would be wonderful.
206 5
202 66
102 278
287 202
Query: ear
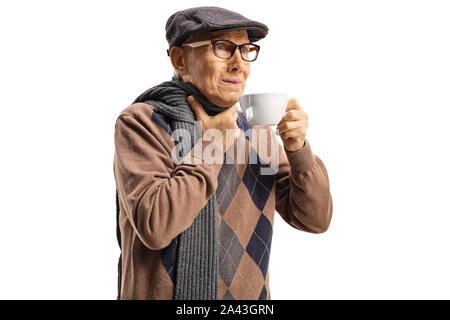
178 58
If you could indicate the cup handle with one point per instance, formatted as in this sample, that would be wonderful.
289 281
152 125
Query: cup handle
249 113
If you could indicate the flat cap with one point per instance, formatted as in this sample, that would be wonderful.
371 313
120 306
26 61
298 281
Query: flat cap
182 24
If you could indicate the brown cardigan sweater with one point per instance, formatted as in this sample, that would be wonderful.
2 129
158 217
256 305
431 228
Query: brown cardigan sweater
159 200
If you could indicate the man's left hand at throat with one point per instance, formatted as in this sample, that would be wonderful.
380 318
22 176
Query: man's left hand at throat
292 127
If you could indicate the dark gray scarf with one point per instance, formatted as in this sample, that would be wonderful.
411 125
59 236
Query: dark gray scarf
197 253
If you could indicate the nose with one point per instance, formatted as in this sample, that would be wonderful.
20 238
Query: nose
236 62
237 55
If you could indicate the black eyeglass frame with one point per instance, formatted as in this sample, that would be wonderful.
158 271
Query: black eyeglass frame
206 42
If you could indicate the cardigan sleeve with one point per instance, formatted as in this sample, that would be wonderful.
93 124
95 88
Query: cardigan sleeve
303 196
160 199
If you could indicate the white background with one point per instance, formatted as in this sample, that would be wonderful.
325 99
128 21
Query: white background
373 76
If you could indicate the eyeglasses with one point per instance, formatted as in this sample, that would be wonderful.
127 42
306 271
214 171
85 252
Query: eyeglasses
225 49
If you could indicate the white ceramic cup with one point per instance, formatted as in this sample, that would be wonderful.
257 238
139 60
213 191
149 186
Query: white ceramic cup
264 109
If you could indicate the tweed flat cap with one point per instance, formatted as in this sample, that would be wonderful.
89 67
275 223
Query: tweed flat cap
182 24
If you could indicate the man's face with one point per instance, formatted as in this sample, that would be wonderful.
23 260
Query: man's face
205 70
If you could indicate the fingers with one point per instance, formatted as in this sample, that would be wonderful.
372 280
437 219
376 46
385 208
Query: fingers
235 112
293 133
293 111
290 125
293 104
200 113
232 110
231 113
293 115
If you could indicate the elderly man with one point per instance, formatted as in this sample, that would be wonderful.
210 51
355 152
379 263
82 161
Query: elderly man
202 229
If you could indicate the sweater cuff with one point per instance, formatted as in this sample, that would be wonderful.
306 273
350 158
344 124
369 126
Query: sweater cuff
301 160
